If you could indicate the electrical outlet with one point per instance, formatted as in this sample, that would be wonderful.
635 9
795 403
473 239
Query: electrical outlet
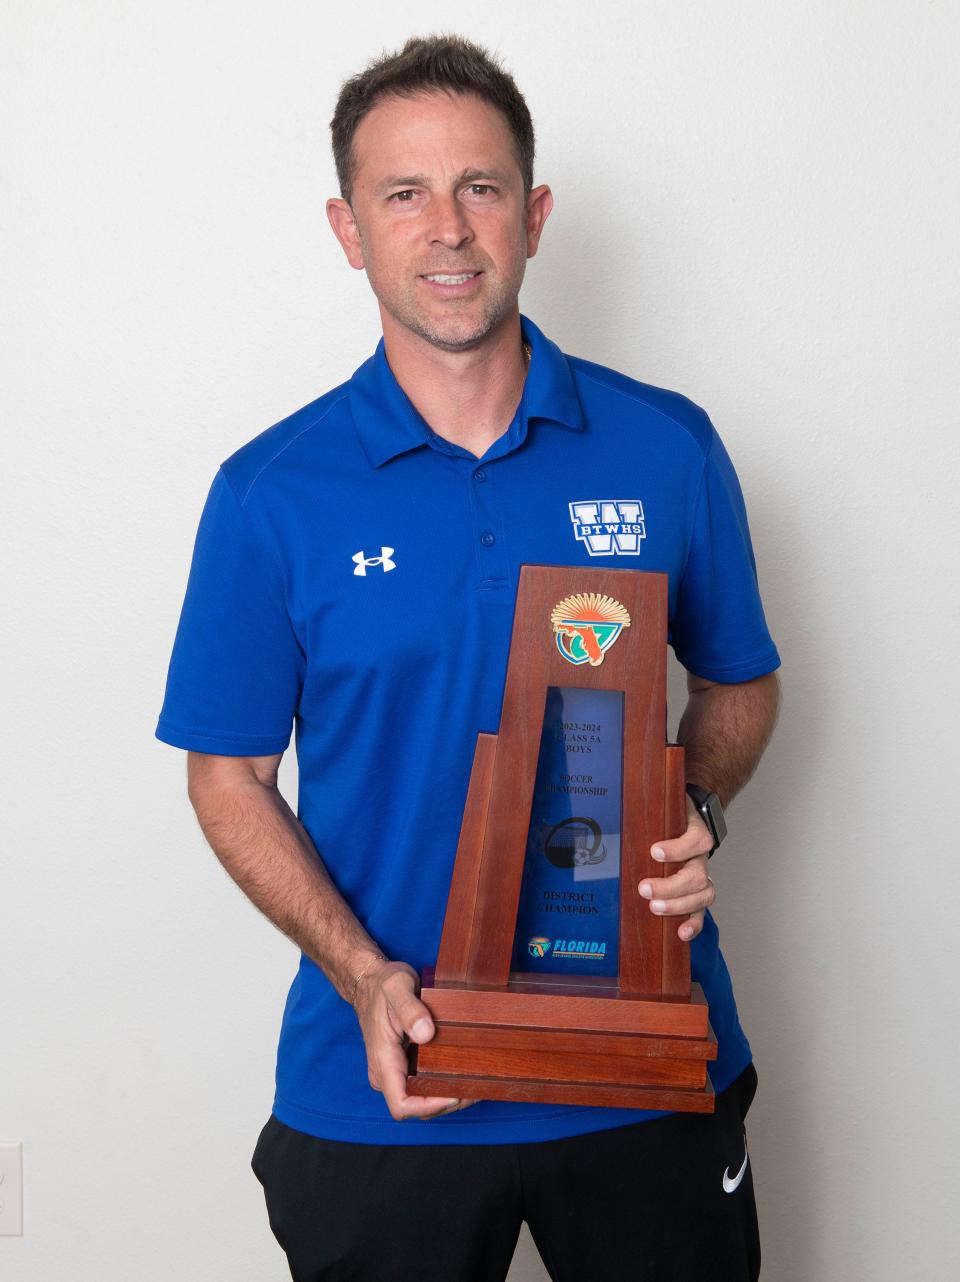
11 1188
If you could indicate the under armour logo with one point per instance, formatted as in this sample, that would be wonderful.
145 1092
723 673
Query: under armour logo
361 562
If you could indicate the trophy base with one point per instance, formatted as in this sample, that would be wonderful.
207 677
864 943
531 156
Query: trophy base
570 1041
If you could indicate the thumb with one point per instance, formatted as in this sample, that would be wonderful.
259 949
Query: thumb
410 1013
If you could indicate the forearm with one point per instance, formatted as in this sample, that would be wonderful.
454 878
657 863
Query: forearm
269 854
724 731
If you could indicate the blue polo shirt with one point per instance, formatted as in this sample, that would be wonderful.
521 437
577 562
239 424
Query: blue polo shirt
354 577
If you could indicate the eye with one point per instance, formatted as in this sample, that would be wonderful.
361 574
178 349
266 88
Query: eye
482 187
397 194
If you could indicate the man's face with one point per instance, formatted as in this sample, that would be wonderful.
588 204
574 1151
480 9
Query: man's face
437 190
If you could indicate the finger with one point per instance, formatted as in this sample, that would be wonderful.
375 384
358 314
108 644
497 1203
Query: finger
685 904
695 840
393 1083
690 879
691 927
407 1012
410 1108
455 1108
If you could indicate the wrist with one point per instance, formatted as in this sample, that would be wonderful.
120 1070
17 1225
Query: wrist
707 805
362 967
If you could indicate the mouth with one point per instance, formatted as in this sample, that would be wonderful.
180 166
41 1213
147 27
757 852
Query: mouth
451 284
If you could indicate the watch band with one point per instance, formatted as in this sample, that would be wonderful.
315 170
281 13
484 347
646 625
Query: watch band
708 804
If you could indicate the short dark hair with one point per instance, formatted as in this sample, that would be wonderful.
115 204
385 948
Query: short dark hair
439 63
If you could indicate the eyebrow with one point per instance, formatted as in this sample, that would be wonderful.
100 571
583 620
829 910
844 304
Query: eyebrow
421 180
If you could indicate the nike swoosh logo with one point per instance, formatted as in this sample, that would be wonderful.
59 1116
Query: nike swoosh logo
731 1185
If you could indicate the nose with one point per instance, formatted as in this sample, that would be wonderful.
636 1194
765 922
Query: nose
449 225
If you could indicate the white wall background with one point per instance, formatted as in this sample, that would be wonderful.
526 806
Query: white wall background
757 205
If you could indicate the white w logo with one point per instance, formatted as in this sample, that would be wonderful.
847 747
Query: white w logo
609 527
361 561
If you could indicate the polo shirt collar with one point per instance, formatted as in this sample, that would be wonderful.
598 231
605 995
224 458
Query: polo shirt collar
388 424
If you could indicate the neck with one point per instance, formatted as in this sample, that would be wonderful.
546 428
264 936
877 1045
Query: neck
469 397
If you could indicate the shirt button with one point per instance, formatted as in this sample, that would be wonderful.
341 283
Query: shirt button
487 539
480 475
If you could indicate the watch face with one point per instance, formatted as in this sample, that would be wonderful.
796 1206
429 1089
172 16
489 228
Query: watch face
716 820
708 803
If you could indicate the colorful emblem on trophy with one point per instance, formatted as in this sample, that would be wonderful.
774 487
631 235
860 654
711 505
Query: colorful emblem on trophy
586 626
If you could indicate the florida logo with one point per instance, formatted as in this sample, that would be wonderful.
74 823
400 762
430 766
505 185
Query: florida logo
538 946
586 626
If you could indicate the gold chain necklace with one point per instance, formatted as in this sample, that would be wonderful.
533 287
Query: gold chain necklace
528 354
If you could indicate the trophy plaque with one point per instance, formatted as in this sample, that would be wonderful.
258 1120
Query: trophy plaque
554 982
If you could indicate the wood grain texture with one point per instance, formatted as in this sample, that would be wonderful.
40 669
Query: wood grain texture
458 921
461 1086
562 1066
641 933
616 1013
676 953
551 1040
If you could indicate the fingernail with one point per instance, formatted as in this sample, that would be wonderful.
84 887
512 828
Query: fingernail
659 906
646 889
685 932
657 853
421 1029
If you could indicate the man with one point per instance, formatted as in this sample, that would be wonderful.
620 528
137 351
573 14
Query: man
355 569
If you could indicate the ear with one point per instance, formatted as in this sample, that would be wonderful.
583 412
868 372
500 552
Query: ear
346 231
539 204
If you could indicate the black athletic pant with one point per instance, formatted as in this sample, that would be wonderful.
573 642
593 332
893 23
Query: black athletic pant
669 1200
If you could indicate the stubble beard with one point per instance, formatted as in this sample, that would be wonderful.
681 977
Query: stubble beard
455 332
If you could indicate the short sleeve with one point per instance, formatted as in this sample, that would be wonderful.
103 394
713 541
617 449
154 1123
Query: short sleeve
236 671
719 631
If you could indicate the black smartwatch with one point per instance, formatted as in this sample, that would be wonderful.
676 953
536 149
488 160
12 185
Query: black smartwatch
708 804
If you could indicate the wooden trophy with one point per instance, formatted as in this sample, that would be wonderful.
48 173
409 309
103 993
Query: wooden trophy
554 981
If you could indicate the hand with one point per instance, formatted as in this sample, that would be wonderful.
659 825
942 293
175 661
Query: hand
388 1008
690 890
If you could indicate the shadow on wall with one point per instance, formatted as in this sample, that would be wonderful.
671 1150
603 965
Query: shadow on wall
763 881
